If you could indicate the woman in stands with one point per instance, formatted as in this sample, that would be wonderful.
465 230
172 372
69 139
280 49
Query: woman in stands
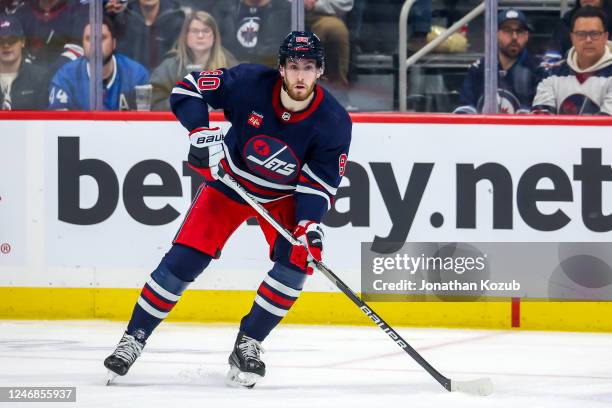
198 49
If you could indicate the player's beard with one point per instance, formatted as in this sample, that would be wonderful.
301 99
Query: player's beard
296 96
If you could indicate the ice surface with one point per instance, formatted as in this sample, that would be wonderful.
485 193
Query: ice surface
184 365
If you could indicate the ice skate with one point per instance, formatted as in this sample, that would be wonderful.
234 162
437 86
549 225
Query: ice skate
246 367
123 357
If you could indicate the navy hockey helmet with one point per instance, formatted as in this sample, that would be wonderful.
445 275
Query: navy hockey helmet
302 44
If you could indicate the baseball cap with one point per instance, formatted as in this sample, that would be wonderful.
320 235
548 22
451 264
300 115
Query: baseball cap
10 26
512 14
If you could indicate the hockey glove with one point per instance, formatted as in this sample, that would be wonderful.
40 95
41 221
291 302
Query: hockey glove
206 151
311 235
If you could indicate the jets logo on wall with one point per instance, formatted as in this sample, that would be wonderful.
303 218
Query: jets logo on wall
271 158
578 104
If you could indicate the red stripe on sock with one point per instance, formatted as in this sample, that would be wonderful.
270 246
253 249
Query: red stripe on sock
274 297
156 301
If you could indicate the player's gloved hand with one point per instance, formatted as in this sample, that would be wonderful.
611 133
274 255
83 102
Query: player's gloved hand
206 151
311 235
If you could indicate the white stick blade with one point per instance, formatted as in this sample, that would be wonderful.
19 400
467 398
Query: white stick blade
480 386
110 377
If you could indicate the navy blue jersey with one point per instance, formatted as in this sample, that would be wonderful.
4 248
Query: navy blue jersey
516 87
272 152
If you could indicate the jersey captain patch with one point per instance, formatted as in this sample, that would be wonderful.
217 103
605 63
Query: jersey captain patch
271 158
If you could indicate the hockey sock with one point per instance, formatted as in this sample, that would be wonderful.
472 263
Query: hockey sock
275 296
179 267
158 297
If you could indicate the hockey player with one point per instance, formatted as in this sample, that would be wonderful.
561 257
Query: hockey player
288 147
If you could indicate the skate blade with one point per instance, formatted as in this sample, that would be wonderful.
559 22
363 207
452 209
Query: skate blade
110 378
237 378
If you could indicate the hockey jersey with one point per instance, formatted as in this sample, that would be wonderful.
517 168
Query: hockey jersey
574 91
272 152
515 87
69 87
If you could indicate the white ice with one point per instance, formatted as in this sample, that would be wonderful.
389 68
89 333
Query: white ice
184 365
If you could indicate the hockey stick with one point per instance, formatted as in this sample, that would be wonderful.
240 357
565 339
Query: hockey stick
480 386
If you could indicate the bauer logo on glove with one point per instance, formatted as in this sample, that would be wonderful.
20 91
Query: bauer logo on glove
206 151
205 137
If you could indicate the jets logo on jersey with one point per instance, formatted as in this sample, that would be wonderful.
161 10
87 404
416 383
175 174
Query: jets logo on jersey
248 32
578 104
507 102
342 164
255 119
271 158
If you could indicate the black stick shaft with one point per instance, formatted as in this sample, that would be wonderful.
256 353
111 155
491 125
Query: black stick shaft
364 307
384 326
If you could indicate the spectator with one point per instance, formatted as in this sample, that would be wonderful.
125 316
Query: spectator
518 71
53 30
148 29
560 41
324 18
198 49
22 84
252 29
70 85
582 84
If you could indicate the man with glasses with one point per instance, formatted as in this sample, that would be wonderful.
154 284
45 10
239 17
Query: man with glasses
561 40
23 85
582 84
518 71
